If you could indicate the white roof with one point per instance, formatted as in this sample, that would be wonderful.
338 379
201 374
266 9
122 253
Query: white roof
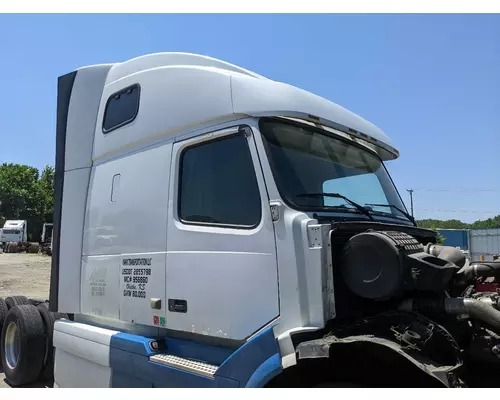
180 90
13 223
158 60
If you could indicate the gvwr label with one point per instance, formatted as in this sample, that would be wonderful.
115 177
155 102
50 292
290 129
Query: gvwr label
136 278
136 261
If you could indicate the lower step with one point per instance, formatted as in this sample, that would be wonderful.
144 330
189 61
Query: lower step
185 364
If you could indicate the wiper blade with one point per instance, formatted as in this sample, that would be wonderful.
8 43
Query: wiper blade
359 207
412 220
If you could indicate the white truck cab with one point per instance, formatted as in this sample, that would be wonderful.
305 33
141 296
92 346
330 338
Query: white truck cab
14 231
200 210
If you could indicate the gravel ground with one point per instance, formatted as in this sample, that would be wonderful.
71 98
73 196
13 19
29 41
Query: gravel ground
24 274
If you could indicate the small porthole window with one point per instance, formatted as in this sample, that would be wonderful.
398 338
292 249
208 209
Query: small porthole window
121 108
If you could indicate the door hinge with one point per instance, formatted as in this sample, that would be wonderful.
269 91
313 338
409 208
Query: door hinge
246 131
275 210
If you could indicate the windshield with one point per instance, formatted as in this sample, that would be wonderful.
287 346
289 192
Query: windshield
10 232
309 161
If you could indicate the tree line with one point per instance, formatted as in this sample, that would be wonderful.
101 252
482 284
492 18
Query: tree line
27 194
490 223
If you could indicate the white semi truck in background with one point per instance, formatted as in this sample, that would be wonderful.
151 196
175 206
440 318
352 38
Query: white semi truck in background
253 238
14 237
14 231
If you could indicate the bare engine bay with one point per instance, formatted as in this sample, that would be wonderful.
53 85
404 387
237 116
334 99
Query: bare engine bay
394 283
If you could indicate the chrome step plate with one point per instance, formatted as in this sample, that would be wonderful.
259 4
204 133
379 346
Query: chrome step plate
195 367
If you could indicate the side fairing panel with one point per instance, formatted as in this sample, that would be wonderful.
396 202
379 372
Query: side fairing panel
73 214
127 204
124 247
78 98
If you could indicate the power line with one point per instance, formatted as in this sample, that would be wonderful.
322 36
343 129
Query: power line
411 191
470 190
459 211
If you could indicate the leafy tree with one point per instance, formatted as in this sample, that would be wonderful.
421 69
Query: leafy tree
18 190
46 187
490 223
440 238
27 195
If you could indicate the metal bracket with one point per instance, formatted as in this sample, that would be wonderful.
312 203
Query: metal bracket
246 131
275 210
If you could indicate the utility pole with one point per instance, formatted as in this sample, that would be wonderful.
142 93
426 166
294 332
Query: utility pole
411 199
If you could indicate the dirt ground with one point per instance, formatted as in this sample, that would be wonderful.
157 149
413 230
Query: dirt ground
27 275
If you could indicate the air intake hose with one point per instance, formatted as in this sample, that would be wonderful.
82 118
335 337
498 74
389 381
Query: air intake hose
475 309
481 269
447 253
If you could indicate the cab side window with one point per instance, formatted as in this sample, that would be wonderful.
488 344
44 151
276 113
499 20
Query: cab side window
218 185
121 109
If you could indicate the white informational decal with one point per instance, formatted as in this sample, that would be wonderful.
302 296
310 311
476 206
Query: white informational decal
142 289
136 275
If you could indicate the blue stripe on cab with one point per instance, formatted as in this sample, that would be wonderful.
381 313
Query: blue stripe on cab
196 351
156 375
266 371
132 343
242 364
252 365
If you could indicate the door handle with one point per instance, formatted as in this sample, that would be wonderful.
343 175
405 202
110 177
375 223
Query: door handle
177 305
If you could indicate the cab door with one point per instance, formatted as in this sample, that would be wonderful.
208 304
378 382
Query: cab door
221 272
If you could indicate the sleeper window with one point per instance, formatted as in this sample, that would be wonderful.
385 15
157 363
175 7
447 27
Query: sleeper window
218 184
121 108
